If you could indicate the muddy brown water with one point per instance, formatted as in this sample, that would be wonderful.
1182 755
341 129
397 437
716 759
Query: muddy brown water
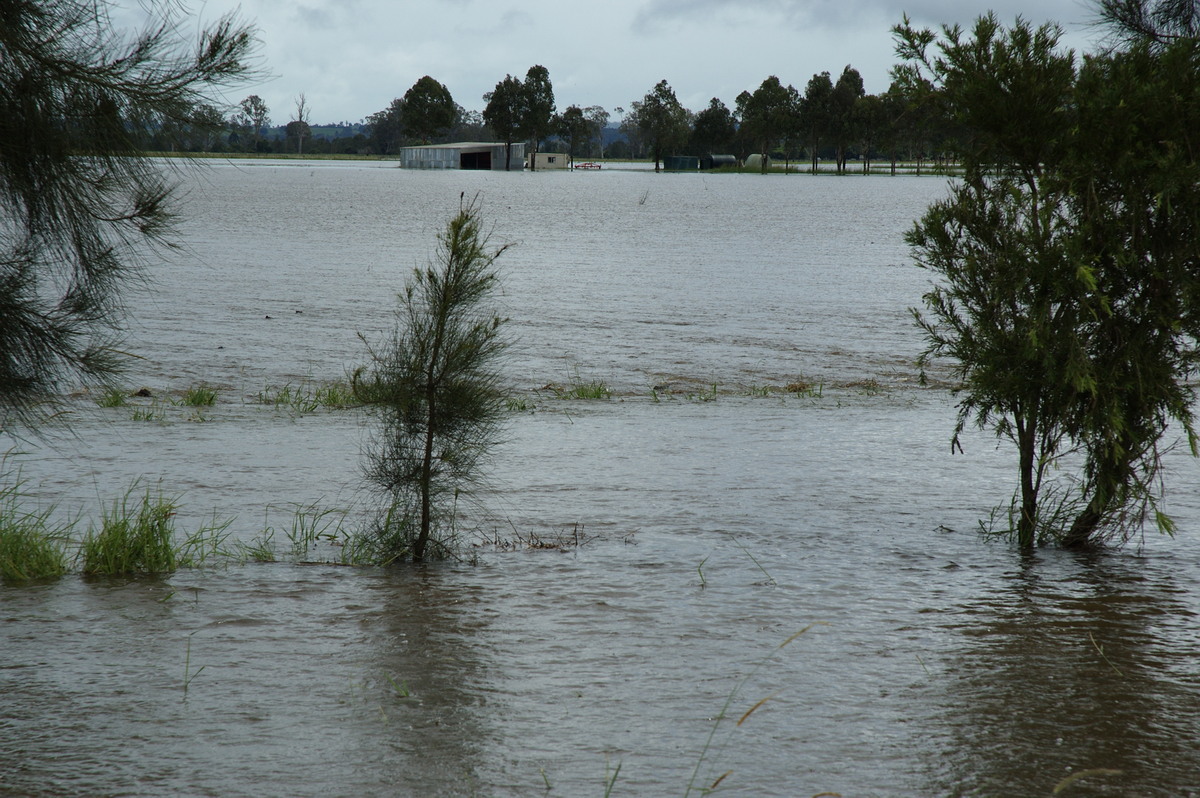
714 528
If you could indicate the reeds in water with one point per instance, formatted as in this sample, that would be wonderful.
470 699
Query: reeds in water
32 547
135 536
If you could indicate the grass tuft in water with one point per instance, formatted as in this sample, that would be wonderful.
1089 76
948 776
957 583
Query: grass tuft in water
31 547
202 395
135 537
611 781
518 404
577 388
311 524
388 540
334 395
207 544
260 549
1084 774
302 399
112 397
189 675
867 387
151 412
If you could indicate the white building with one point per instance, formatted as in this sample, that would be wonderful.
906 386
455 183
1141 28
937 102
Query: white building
549 160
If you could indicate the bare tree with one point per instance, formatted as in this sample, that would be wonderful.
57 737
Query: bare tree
298 128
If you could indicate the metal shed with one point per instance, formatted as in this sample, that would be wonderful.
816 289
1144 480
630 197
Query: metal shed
462 155
681 163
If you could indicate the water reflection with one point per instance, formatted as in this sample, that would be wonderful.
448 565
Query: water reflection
1075 662
422 703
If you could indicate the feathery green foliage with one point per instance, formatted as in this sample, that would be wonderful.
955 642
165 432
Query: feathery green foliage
436 386
79 201
1067 288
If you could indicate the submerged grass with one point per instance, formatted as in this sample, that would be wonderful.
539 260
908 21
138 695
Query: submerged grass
151 412
303 398
579 389
202 395
112 397
135 536
31 546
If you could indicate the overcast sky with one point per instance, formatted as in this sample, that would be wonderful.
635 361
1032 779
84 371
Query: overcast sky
352 57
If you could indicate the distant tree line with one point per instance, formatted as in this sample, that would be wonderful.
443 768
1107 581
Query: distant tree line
831 120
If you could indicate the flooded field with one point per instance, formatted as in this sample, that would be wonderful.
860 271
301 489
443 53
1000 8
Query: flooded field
717 514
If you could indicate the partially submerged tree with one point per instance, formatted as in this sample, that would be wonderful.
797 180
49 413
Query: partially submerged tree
437 389
816 114
714 130
768 115
846 93
427 110
661 121
575 129
538 118
79 199
503 114
1066 259
597 118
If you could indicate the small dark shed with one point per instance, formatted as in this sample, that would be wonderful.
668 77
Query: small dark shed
717 161
681 163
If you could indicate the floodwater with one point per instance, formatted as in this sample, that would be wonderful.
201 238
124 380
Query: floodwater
713 525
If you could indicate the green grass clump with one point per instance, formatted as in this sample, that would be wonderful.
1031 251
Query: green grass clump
303 399
31 547
205 544
581 389
135 537
289 396
261 549
111 397
202 395
334 395
150 412
518 404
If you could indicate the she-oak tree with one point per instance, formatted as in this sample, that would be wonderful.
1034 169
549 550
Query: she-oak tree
79 199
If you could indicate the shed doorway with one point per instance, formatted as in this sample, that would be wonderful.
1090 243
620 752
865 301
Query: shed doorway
475 160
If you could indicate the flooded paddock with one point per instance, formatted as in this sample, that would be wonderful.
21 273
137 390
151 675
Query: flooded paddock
718 514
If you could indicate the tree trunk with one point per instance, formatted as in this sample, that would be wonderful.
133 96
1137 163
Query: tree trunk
1027 523
431 417
1084 526
418 552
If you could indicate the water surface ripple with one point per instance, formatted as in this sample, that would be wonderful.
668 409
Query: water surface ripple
718 526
